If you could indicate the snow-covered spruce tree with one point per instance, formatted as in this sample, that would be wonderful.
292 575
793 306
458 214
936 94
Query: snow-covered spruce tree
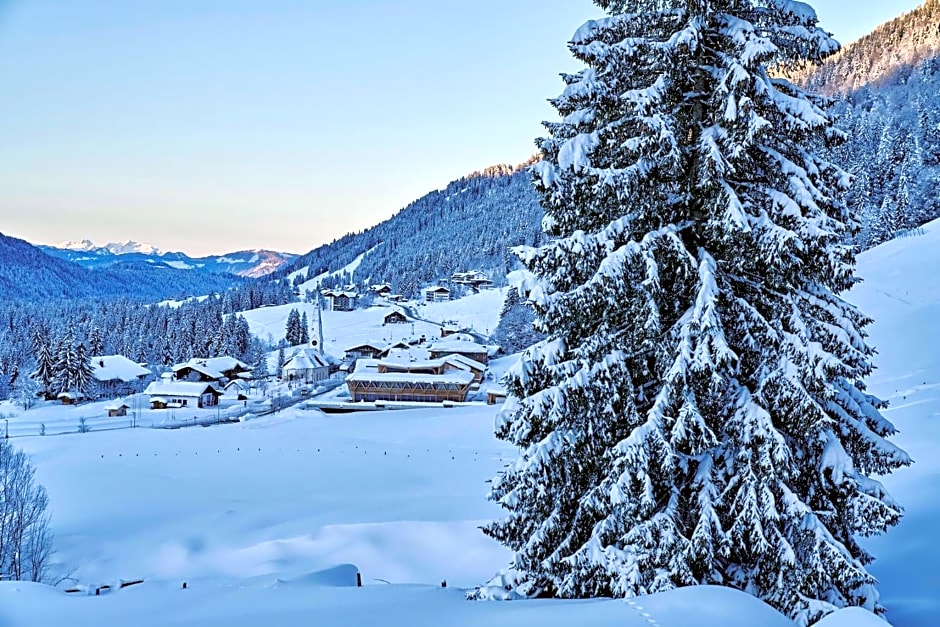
697 413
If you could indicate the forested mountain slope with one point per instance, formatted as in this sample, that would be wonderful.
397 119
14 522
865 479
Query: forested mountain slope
887 86
468 225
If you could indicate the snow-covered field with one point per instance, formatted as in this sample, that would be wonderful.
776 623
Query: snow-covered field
268 520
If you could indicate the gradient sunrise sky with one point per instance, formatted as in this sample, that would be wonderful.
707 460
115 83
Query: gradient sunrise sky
211 126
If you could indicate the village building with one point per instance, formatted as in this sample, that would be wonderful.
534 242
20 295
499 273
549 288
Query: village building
475 279
449 329
175 394
444 365
382 290
117 409
306 366
211 370
368 385
439 294
239 388
469 349
494 396
370 350
396 316
341 300
70 398
393 347
116 375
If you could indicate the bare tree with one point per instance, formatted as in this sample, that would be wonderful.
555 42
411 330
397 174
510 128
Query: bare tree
25 539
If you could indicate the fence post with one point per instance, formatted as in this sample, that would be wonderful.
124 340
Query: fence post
358 579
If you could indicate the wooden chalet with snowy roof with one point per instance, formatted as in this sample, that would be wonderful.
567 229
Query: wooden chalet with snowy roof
468 349
117 410
211 370
176 394
116 375
369 349
395 316
382 290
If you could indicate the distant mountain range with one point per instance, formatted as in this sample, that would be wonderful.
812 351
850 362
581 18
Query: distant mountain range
29 273
247 263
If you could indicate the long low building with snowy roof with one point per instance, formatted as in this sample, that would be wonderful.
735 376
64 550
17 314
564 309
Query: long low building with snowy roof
174 394
442 365
368 384
468 349
211 369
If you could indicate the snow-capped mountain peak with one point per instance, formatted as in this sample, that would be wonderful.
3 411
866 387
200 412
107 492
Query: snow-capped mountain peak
81 245
131 246
115 248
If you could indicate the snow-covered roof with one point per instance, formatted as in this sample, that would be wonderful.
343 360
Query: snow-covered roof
365 364
459 360
116 406
117 368
407 354
338 293
457 377
200 368
212 367
304 361
375 345
438 288
457 346
179 388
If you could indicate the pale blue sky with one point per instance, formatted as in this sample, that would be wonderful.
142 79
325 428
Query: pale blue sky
211 126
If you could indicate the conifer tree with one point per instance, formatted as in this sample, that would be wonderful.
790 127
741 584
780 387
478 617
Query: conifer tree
697 414
293 330
304 330
83 373
63 356
45 366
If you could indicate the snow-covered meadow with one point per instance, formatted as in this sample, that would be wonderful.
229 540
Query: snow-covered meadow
267 521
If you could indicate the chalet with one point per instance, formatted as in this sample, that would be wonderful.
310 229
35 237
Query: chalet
381 290
117 409
442 366
341 300
437 294
461 362
369 349
400 345
474 279
494 396
116 375
70 398
406 386
469 349
173 394
239 388
306 366
449 329
211 370
396 316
